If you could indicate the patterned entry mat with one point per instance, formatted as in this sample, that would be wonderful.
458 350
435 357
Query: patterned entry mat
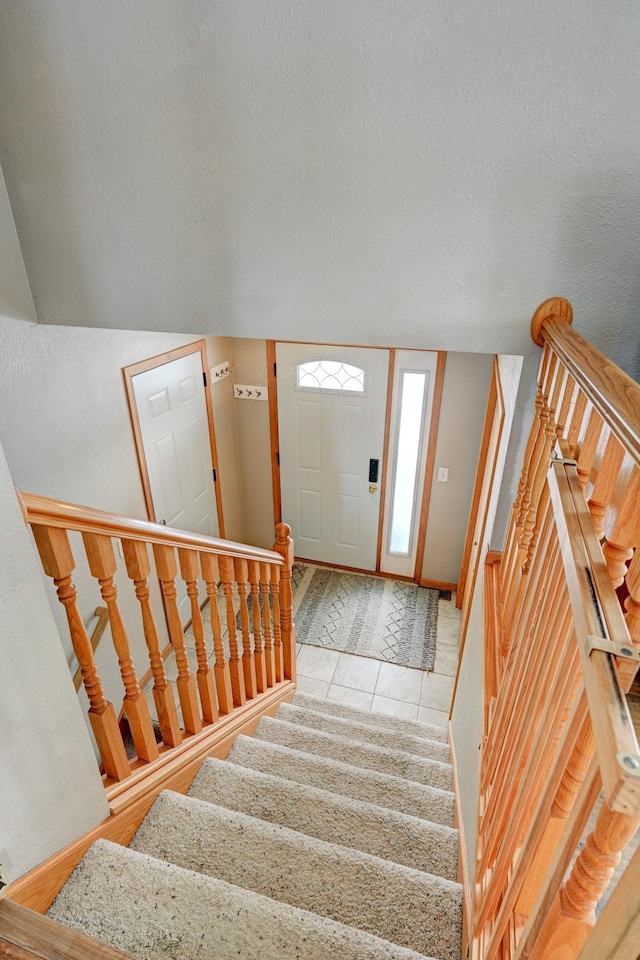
368 616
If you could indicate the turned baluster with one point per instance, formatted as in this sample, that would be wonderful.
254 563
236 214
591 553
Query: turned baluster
517 515
259 657
632 603
190 572
565 798
589 448
235 667
269 656
139 568
277 633
58 563
241 573
625 535
577 417
103 565
167 570
572 916
605 483
209 565
562 413
285 547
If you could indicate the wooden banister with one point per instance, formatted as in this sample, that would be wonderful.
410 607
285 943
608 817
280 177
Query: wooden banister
609 389
55 513
208 693
563 634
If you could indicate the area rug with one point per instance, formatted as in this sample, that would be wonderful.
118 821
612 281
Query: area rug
368 616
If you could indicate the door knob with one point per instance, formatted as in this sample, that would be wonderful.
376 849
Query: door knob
372 488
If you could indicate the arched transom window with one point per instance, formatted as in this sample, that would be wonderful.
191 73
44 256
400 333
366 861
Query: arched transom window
330 376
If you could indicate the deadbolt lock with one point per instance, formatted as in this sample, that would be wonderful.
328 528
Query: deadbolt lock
372 488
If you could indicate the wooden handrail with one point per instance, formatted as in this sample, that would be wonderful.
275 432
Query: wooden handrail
205 564
614 395
562 646
70 516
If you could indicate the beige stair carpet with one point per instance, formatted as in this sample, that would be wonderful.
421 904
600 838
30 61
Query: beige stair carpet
428 731
385 790
377 830
366 733
393 902
358 754
157 911
329 834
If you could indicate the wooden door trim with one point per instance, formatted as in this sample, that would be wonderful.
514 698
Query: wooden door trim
477 484
430 462
385 455
129 372
274 436
496 402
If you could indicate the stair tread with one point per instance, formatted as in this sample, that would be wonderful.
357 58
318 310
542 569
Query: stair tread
381 736
398 837
154 910
358 754
427 730
391 901
386 790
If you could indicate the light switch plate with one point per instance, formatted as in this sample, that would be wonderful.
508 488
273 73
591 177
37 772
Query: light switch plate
242 391
443 474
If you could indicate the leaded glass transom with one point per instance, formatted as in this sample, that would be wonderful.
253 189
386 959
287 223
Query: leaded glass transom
330 376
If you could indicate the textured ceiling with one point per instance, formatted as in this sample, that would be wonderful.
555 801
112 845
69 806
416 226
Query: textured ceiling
378 171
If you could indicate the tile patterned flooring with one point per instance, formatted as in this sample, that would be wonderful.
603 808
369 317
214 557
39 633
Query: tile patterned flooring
363 682
385 687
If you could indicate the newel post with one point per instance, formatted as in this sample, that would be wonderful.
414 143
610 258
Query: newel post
284 546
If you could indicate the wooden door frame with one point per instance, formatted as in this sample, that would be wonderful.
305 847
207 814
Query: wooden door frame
129 372
431 448
467 581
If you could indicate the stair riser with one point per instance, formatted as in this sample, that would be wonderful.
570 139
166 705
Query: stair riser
386 900
427 730
413 799
409 767
362 826
376 736
155 911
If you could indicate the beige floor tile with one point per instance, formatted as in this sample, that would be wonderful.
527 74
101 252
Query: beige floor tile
448 609
315 688
446 661
436 691
359 673
317 663
448 631
429 715
395 708
352 698
399 683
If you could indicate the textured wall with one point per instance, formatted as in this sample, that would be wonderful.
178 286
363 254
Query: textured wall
464 402
42 733
382 171
466 713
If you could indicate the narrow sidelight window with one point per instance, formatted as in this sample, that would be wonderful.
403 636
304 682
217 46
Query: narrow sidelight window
413 394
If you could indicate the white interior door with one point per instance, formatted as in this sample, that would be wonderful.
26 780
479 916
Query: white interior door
172 412
331 418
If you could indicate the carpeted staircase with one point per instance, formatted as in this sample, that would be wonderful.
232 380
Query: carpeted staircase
326 835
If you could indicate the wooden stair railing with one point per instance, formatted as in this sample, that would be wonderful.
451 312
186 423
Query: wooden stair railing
561 652
262 659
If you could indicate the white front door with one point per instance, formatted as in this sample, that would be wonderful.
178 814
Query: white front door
172 412
331 420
